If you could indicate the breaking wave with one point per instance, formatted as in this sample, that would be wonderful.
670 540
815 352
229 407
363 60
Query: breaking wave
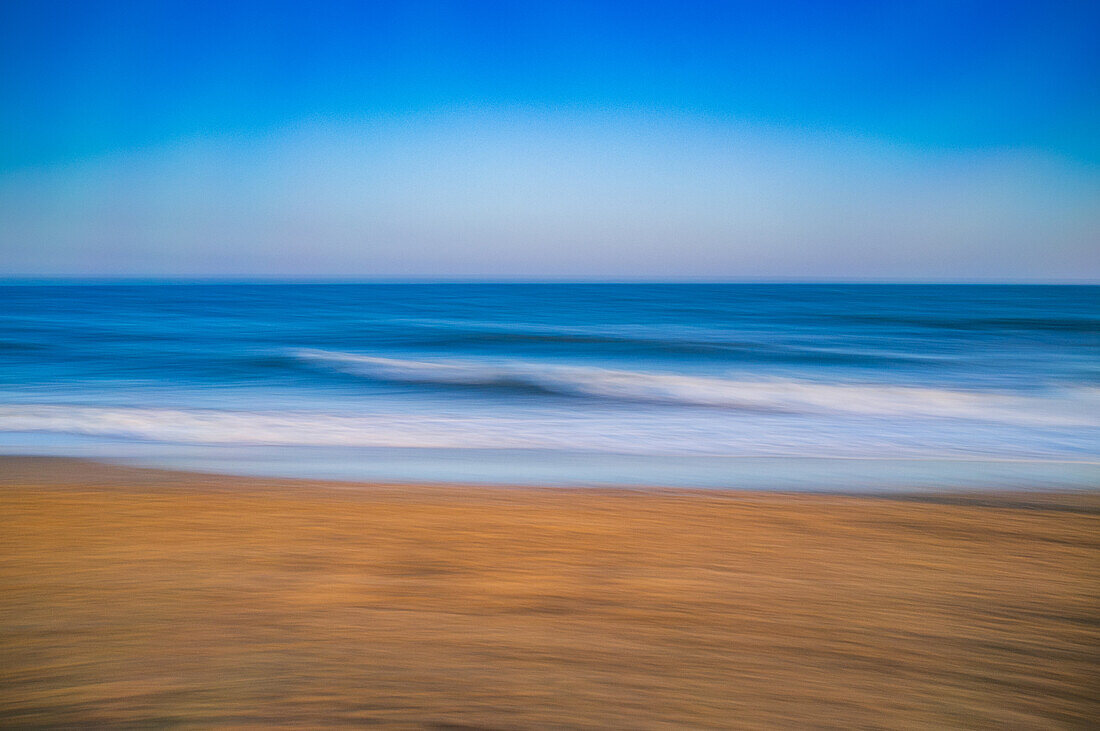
1077 407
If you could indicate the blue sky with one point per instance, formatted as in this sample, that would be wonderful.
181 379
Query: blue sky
634 140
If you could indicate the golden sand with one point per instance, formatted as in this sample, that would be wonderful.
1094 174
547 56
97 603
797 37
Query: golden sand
144 598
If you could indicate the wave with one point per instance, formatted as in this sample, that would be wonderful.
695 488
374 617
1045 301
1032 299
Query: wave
1083 324
707 434
633 338
1079 407
213 426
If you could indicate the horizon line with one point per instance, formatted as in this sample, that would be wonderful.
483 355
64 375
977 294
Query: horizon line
272 280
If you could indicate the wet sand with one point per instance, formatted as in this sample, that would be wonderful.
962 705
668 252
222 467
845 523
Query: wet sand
146 598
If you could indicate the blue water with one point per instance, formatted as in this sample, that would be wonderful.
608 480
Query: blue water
764 386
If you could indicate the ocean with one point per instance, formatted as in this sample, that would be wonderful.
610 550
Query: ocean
761 386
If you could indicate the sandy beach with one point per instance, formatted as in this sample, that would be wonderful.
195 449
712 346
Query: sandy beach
143 598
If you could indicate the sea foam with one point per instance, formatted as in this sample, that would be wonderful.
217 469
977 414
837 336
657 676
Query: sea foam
707 432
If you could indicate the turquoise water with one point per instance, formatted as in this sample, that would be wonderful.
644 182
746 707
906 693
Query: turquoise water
764 386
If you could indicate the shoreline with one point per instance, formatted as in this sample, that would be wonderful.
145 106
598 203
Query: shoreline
132 596
815 474
50 469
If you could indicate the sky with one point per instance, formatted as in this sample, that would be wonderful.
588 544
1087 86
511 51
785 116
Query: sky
877 141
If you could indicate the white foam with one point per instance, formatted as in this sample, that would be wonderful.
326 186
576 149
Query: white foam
638 432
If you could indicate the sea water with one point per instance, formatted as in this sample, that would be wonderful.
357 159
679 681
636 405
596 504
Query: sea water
830 387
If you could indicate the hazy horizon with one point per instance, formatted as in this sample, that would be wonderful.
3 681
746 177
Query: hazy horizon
232 280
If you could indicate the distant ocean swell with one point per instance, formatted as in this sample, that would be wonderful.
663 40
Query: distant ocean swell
638 339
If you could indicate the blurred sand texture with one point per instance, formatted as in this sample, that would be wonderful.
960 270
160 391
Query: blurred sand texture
140 598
